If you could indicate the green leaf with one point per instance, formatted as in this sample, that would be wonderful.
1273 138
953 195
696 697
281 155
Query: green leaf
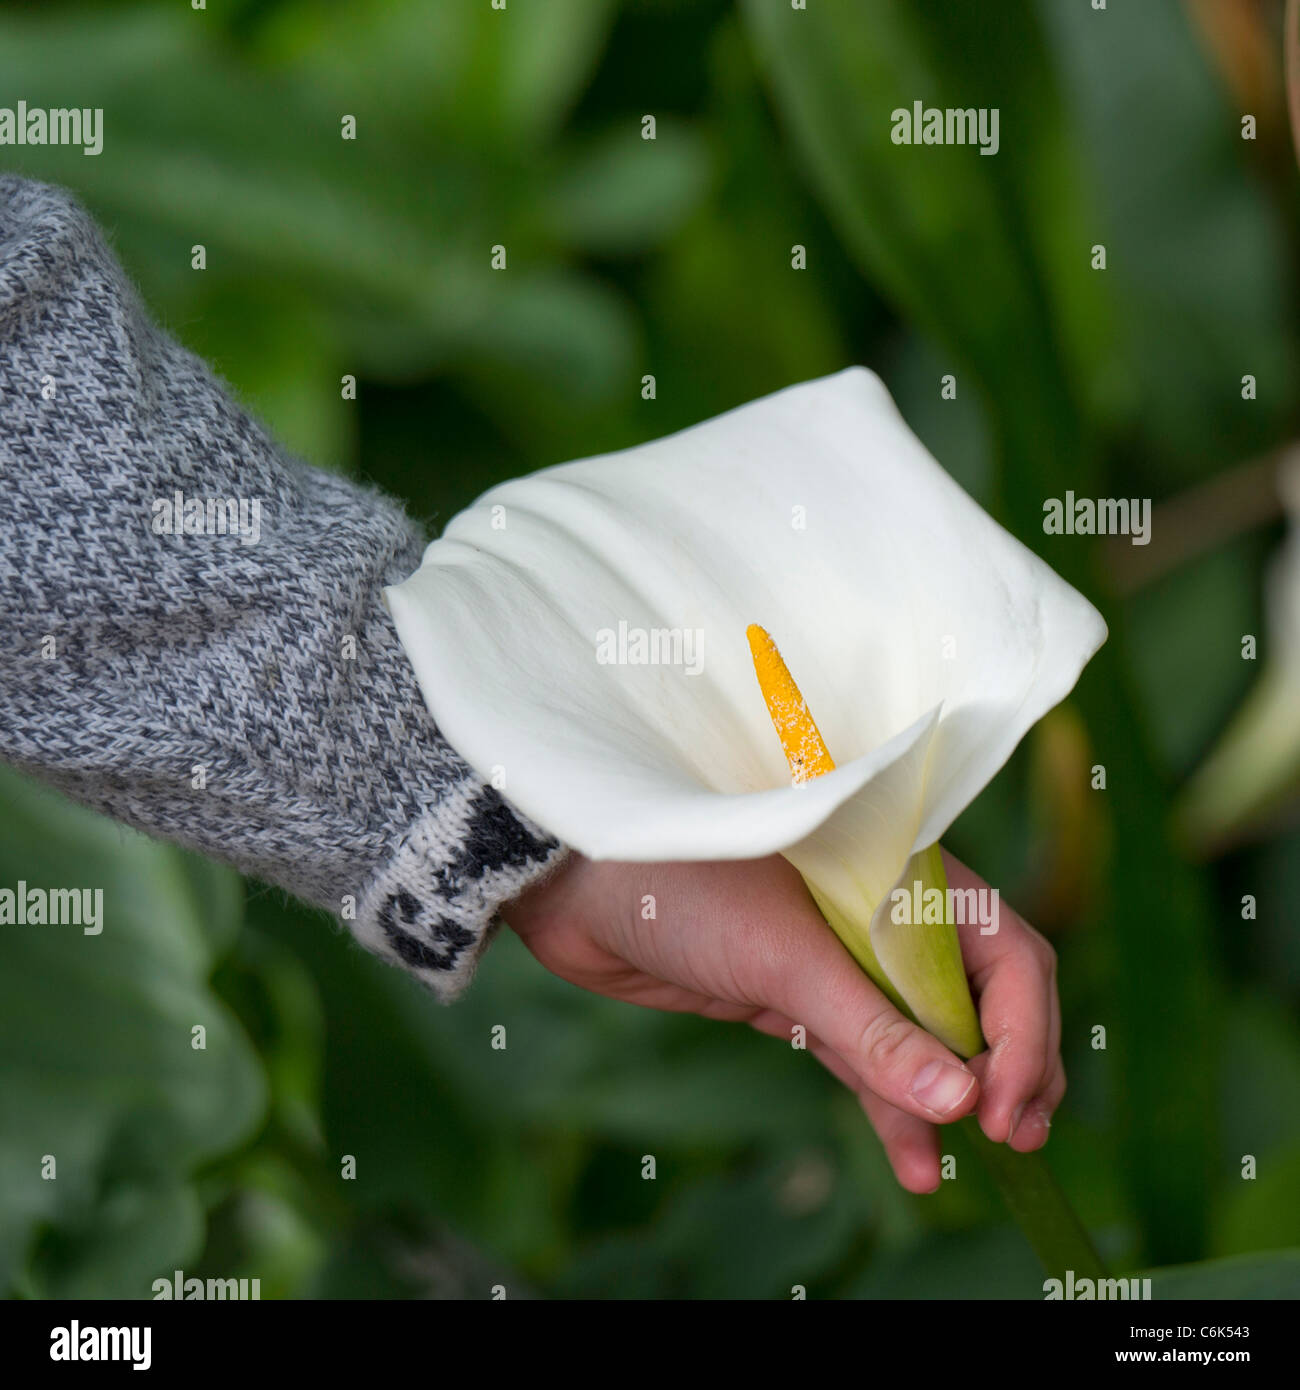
97 1070
1197 252
131 1237
935 227
1274 1275
619 194
1263 1212
389 243
993 1263
503 78
1188 697
753 1232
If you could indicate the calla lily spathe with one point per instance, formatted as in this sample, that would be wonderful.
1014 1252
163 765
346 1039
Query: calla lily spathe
1253 770
926 639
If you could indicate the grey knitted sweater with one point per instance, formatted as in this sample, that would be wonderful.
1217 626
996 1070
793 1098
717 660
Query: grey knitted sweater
242 693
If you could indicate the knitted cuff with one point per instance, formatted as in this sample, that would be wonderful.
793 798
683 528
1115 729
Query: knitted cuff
433 907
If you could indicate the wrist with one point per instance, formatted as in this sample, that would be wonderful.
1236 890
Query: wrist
545 896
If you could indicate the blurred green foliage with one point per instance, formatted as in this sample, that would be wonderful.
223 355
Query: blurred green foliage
627 257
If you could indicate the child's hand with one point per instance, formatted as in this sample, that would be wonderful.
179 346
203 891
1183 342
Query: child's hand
743 940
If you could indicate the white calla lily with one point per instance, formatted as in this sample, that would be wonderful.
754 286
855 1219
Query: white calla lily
924 637
1253 770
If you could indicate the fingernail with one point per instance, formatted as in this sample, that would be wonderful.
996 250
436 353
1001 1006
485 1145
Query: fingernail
941 1087
1015 1120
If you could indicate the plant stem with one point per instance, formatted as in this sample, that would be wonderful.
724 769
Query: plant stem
1031 1192
1039 1207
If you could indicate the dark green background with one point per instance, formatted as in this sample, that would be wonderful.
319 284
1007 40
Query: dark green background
673 257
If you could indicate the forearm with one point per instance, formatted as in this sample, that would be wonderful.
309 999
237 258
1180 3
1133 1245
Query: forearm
240 692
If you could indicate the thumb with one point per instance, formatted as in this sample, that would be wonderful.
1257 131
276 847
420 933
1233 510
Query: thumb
819 984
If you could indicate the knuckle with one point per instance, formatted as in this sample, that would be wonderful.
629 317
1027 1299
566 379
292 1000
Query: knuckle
883 1039
1056 1088
1043 950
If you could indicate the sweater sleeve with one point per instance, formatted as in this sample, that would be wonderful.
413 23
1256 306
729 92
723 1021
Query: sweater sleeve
194 637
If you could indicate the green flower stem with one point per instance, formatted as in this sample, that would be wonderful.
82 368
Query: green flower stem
1031 1192
928 971
1039 1207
